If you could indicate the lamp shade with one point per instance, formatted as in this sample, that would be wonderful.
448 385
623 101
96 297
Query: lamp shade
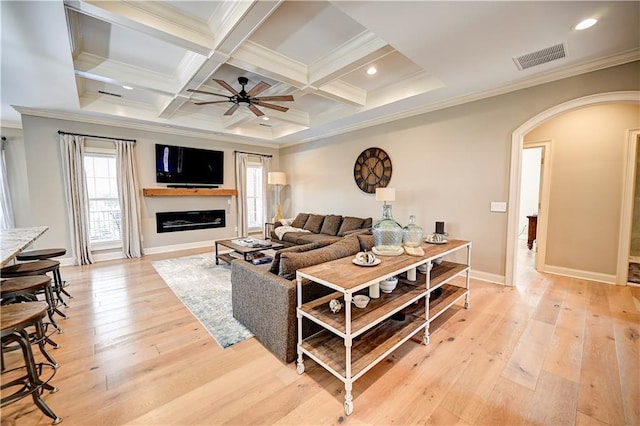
277 178
385 194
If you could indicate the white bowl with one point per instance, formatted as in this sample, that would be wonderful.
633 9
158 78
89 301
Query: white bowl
360 300
388 285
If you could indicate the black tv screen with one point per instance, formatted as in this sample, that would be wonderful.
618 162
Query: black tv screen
184 165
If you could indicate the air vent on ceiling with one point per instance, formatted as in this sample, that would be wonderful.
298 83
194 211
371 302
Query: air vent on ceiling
110 94
542 56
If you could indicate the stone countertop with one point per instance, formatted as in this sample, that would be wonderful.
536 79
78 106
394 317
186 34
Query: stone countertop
15 240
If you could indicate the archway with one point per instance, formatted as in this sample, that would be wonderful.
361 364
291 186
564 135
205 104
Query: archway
517 142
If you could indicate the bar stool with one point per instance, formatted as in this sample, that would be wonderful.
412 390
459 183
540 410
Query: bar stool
14 319
59 283
38 267
27 288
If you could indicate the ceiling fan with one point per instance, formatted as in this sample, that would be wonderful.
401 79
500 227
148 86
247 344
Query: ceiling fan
244 97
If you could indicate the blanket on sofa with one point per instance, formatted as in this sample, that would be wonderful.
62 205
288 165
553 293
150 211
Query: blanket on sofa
281 230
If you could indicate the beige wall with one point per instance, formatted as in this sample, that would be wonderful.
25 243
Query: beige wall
587 166
43 197
448 165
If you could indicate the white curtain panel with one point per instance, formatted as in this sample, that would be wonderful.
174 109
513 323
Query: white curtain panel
6 220
241 187
266 194
128 194
76 197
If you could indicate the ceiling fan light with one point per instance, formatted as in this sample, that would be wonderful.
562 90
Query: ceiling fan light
586 23
372 70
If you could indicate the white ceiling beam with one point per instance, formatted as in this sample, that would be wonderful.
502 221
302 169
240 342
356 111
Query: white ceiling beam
234 21
103 69
363 49
261 60
151 18
341 91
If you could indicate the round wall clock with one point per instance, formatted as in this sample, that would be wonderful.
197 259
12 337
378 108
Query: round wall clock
372 170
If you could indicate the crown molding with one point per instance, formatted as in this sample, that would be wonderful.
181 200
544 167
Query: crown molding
583 68
123 122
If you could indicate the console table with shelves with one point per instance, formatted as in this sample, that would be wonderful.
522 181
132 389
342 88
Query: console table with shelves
354 340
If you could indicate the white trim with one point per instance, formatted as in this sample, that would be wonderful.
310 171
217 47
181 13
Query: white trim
515 172
108 255
626 210
634 259
583 275
178 247
488 277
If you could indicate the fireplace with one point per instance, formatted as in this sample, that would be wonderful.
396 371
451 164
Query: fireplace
189 220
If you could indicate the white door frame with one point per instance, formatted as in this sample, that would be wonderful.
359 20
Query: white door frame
515 172
543 211
626 214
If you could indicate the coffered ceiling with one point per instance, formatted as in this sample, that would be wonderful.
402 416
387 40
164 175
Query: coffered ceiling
73 59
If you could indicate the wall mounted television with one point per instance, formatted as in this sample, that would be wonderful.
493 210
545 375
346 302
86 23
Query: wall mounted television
189 166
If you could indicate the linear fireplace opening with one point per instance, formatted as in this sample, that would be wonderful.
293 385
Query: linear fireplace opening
189 220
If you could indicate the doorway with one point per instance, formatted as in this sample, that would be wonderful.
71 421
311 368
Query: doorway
532 163
517 145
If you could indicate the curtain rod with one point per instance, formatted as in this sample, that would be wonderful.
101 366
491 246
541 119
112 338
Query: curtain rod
252 153
60 132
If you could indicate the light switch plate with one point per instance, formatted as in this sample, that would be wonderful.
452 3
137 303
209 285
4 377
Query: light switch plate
498 206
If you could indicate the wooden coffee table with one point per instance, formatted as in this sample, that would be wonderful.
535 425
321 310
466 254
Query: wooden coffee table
241 249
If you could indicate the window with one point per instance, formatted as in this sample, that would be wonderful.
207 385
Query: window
255 196
104 206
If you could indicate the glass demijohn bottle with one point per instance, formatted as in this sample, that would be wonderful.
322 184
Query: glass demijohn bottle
387 233
412 233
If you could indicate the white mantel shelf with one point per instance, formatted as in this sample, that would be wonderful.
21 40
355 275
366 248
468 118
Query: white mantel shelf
188 192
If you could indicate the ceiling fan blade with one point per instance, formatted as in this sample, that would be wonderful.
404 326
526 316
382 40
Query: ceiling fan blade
211 102
232 109
206 93
226 86
276 98
255 110
272 106
258 88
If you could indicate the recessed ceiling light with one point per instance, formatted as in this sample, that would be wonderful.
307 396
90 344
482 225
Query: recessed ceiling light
127 87
372 70
265 118
587 23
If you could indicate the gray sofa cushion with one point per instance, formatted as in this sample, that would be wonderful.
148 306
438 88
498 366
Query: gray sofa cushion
306 238
331 224
314 223
291 262
275 264
366 242
300 220
350 224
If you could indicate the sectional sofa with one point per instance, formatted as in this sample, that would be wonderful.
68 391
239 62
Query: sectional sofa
264 296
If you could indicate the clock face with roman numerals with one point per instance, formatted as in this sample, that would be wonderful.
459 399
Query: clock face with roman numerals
372 170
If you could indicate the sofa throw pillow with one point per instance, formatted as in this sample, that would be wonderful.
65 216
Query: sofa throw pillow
300 220
275 264
314 223
331 224
368 223
349 224
366 242
291 262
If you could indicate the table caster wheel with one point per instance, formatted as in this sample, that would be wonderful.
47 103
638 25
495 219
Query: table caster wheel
348 407
300 368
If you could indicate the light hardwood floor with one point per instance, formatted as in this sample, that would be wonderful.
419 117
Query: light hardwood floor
552 350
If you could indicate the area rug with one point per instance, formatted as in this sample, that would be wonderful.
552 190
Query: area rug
634 273
205 289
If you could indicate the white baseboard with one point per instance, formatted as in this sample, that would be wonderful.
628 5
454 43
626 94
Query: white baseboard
634 259
178 247
488 277
584 275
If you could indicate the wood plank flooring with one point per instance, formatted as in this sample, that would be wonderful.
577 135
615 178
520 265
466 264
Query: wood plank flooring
552 350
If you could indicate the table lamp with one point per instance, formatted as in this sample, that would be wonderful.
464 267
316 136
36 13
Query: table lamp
279 179
387 233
